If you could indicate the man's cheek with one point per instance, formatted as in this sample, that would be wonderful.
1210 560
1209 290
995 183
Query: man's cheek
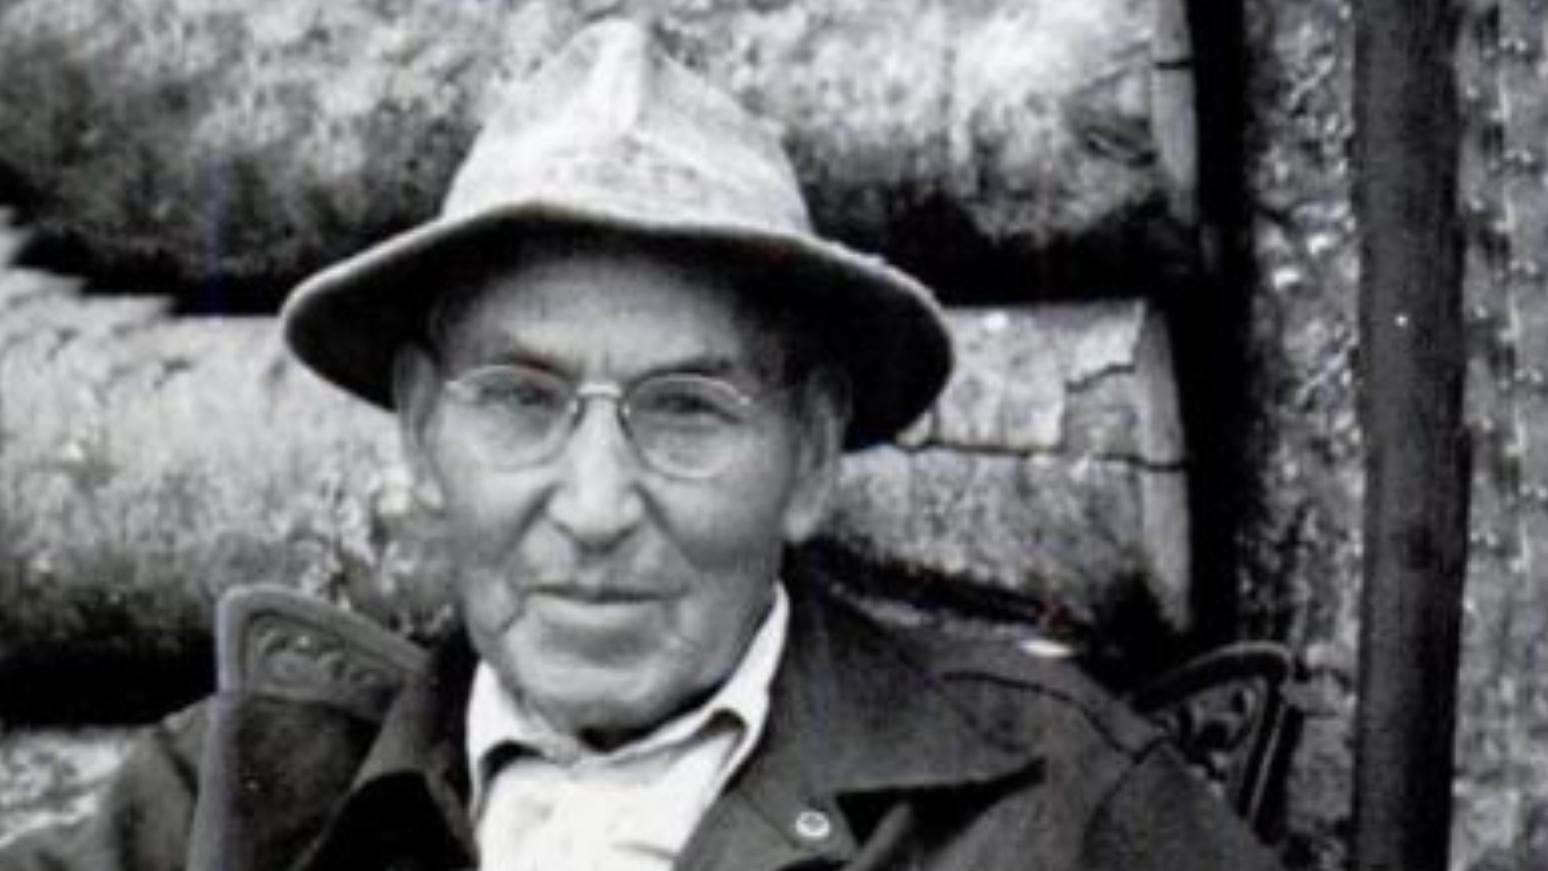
488 534
488 599
732 539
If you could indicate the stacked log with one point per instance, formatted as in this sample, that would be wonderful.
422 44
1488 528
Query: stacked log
151 462
204 153
223 147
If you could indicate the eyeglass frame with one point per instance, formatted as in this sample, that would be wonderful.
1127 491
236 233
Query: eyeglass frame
619 393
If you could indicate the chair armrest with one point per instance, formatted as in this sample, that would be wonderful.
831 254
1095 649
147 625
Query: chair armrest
277 642
1230 715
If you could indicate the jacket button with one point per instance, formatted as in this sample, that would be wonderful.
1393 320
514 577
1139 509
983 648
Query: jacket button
813 825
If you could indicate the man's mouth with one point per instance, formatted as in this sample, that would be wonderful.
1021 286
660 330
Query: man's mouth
591 600
602 624
582 591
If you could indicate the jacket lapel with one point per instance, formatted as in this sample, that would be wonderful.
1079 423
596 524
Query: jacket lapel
407 805
854 716
255 810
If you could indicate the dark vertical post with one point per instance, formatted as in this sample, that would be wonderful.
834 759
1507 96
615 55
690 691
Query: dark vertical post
1212 325
1412 360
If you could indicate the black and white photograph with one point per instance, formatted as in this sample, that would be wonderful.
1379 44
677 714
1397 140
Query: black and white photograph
631 435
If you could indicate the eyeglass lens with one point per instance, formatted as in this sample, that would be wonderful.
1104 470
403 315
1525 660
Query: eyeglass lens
688 426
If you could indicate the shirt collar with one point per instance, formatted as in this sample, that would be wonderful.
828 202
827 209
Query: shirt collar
496 718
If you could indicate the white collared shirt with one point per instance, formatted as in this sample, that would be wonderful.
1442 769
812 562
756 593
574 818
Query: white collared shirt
633 808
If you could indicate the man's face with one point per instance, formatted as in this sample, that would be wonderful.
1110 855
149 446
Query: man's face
607 595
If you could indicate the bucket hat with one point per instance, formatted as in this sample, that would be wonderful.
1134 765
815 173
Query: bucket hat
614 137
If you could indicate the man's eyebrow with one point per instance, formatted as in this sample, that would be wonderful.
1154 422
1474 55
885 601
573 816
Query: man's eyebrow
505 353
530 357
715 365
712 364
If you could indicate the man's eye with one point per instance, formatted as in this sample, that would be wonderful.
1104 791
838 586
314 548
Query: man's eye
518 396
684 405
515 393
687 406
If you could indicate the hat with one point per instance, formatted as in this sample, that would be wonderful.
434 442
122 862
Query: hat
612 136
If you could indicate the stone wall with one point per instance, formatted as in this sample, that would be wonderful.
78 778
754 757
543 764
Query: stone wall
1300 560
1501 816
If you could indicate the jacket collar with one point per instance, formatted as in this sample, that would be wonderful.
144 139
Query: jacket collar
854 711
423 732
904 713
858 711
417 762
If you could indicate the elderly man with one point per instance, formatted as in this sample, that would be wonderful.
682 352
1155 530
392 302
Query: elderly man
625 371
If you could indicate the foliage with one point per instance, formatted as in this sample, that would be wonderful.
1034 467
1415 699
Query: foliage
53 777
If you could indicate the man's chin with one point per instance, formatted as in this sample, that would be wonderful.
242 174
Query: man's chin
610 681
601 719
595 636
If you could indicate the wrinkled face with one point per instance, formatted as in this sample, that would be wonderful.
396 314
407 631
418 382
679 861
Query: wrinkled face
606 595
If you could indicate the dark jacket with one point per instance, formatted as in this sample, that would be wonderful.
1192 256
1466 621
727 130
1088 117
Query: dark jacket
885 748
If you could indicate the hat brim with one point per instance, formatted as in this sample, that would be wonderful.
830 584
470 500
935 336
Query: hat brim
348 321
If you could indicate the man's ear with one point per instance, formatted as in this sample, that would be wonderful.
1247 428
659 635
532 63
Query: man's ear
415 386
825 418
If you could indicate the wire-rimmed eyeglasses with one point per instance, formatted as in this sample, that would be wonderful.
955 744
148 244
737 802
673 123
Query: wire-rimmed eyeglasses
681 425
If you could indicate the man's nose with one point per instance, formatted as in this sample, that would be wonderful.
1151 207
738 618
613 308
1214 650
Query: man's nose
597 501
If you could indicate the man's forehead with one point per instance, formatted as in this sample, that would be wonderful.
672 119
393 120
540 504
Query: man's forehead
564 299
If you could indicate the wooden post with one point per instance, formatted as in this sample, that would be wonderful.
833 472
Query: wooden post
1412 359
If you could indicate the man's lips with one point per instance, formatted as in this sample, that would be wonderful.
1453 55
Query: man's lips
598 624
600 593
593 597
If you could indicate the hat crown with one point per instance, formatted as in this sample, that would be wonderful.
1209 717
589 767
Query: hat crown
616 126
613 136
